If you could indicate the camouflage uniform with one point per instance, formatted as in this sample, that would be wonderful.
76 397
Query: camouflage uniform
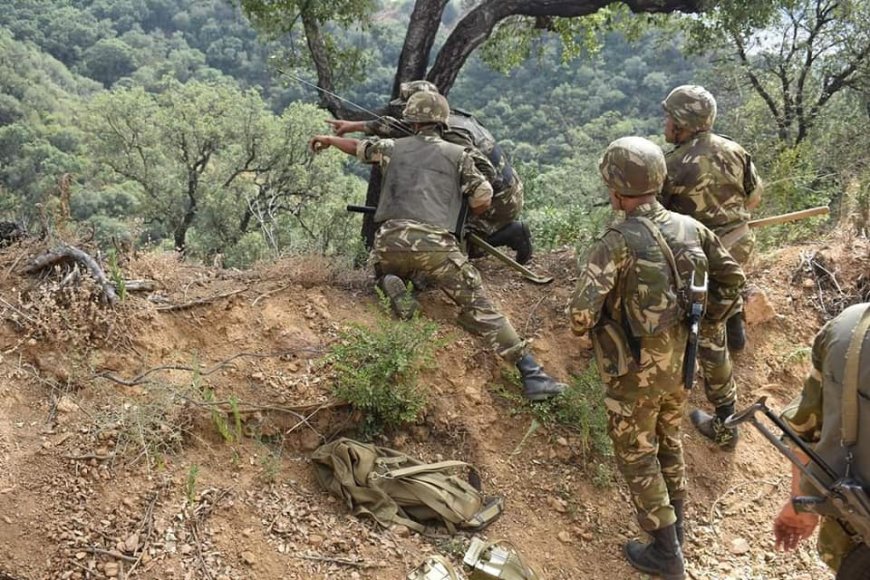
465 130
711 178
627 296
413 249
816 418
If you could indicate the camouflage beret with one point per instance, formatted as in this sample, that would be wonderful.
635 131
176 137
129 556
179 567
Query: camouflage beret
426 107
691 107
409 88
633 166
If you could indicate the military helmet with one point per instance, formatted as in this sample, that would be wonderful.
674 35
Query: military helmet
426 107
409 88
633 166
691 107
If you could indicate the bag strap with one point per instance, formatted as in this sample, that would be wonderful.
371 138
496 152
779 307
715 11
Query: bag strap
422 468
850 381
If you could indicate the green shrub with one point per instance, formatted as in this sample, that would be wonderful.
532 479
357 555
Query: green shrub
580 409
376 369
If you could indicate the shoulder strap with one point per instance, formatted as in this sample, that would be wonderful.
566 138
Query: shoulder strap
666 249
850 380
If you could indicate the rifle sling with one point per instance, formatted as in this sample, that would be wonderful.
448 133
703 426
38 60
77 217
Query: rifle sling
850 381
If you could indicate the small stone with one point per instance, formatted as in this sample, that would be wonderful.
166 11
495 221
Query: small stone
315 540
111 569
564 537
738 546
81 555
557 504
401 531
186 549
132 542
562 441
757 308
249 558
66 405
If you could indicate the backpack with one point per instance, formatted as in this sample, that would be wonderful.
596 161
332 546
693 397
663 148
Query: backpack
393 488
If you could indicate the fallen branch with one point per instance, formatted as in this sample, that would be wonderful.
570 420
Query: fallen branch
112 553
89 456
269 293
199 301
65 254
342 561
140 378
149 529
710 522
140 285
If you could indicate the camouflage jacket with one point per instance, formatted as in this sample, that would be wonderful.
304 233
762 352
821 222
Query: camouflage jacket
499 174
601 292
711 178
816 415
411 235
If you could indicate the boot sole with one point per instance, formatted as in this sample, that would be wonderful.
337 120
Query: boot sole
651 571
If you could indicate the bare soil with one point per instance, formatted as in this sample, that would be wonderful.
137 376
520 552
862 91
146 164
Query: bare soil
112 463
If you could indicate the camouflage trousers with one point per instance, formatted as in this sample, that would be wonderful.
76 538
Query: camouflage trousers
834 543
645 429
459 279
715 362
506 207
713 356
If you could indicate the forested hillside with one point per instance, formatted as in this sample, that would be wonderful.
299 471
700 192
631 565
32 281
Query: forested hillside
92 94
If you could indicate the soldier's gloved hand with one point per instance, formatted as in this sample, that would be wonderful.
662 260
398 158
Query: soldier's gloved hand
319 142
340 127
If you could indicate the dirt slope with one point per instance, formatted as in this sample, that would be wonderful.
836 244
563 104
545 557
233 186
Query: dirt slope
105 472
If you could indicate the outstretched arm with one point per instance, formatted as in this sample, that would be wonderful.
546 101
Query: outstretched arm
344 144
340 126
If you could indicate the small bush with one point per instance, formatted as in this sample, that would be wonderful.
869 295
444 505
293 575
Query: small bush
376 369
580 409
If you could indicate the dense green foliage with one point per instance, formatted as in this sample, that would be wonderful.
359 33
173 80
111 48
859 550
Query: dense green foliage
377 369
172 129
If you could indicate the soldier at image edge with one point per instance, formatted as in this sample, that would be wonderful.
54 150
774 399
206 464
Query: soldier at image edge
712 179
498 225
817 417
425 182
631 296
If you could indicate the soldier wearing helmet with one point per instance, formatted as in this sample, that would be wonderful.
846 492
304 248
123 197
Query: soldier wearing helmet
498 225
712 179
630 298
425 179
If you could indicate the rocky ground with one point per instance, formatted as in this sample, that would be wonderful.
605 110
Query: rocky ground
115 462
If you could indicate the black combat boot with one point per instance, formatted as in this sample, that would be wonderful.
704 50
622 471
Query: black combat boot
537 385
713 427
401 299
679 506
516 236
661 557
735 330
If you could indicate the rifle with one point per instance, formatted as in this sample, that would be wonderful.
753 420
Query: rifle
480 243
698 296
844 499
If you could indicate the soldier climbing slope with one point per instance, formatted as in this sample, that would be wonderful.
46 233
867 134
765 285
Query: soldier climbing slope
498 225
820 417
631 294
425 181
712 179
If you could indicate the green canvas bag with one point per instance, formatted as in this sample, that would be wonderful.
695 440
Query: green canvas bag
393 488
